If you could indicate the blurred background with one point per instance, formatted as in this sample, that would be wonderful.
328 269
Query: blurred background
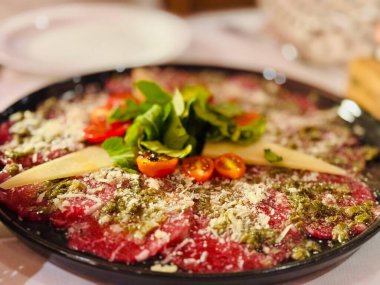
327 43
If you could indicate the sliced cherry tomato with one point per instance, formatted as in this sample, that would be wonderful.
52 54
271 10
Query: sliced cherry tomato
246 118
99 132
200 168
156 168
230 165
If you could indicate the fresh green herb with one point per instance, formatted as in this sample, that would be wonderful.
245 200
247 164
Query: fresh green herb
159 148
271 156
130 111
175 135
249 133
146 126
154 95
228 109
121 154
176 125
178 103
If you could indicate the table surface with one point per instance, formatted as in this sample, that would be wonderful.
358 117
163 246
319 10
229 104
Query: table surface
215 38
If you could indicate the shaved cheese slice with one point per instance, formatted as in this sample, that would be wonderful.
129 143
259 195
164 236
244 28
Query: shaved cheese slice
84 161
254 154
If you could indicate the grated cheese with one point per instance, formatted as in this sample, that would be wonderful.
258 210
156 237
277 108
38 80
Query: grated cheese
166 268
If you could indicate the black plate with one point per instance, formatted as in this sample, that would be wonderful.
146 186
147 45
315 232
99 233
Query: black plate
48 241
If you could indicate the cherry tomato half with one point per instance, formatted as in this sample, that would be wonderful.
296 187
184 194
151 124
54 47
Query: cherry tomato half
246 118
99 132
200 168
230 165
156 168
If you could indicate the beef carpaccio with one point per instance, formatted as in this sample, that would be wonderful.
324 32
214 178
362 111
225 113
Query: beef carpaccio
266 217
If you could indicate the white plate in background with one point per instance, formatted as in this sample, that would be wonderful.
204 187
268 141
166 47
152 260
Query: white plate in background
80 38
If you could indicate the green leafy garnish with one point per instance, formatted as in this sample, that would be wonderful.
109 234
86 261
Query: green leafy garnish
249 133
159 148
271 156
154 95
228 109
178 103
176 125
121 154
130 111
175 135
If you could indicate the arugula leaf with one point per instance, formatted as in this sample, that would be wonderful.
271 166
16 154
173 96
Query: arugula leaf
177 126
178 103
159 148
146 126
175 136
217 121
121 154
271 156
249 133
227 109
196 93
130 111
153 93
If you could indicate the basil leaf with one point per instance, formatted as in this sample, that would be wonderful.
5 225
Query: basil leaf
271 156
227 109
249 133
159 148
178 103
130 111
175 136
212 118
153 93
121 154
196 93
146 126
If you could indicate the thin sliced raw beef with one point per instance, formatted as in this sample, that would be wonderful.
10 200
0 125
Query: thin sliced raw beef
117 245
360 193
203 252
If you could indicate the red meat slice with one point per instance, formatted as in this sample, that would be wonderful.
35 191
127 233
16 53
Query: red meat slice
203 252
319 230
360 193
28 161
277 207
88 236
24 200
5 135
82 206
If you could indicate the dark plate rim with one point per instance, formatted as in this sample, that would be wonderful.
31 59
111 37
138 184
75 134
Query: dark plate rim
91 260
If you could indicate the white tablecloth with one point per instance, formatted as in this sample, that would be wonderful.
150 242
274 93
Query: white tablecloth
213 43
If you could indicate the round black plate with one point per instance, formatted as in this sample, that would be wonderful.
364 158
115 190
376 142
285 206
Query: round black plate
46 240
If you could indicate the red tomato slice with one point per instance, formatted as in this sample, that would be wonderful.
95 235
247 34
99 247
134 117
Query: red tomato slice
158 168
200 168
99 132
246 118
230 165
